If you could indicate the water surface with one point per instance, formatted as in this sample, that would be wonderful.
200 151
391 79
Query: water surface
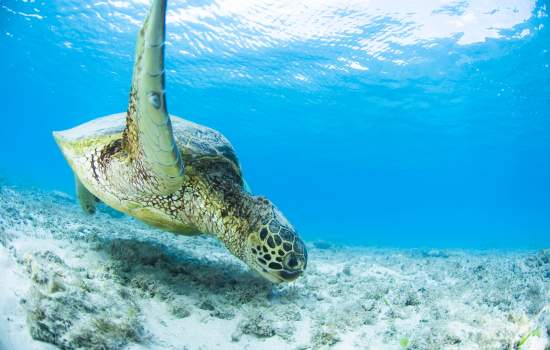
395 123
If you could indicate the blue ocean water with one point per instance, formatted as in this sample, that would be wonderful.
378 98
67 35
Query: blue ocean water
388 123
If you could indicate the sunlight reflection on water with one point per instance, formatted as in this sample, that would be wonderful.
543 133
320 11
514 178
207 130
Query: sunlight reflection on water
289 43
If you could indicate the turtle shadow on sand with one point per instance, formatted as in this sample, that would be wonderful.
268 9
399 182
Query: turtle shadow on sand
155 269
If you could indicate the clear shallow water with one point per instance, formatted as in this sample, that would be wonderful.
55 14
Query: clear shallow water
371 122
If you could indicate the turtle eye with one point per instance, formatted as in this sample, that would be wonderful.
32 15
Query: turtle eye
294 262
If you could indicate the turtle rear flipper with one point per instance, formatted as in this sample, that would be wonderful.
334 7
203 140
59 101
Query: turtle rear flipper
148 138
86 199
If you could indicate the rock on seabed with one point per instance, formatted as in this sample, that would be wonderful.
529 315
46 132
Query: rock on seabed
73 281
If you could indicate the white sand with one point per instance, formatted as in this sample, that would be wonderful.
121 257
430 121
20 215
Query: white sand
108 282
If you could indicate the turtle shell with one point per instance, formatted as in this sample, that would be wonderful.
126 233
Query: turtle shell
196 141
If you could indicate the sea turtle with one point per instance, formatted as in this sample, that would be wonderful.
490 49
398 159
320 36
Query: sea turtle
174 174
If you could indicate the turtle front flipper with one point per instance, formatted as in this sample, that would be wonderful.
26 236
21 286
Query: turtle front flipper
148 138
86 199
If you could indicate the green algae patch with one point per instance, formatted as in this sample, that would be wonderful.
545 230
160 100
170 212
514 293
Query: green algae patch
524 338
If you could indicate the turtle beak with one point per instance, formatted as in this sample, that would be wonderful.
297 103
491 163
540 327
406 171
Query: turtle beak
271 277
289 276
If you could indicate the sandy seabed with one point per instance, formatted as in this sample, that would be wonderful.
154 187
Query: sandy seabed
72 281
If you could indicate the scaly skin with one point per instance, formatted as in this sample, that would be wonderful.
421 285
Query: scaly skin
211 200
174 174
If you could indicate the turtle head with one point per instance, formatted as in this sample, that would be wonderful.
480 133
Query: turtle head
273 247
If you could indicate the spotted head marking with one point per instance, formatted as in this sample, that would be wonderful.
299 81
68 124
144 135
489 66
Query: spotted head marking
274 249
